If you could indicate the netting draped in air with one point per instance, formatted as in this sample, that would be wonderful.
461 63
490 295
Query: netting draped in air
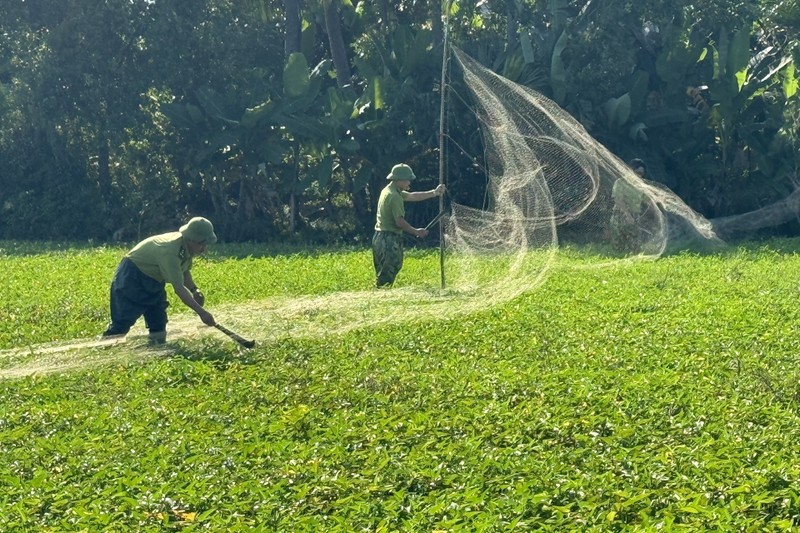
550 183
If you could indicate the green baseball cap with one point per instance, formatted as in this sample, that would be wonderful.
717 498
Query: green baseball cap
401 172
199 230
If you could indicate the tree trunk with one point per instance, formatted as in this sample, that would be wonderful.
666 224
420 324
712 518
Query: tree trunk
359 197
511 26
293 196
293 26
336 42
769 216
103 170
383 12
292 213
292 45
437 24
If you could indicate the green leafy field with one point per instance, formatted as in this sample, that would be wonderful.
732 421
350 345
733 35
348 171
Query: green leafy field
638 396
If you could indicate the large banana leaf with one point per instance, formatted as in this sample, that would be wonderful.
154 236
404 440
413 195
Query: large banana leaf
296 77
558 73
215 105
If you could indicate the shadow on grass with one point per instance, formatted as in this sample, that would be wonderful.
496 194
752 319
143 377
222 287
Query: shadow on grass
219 354
780 245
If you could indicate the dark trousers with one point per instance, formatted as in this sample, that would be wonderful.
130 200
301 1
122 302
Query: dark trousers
134 294
387 256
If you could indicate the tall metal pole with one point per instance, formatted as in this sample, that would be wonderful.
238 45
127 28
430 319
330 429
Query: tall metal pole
443 95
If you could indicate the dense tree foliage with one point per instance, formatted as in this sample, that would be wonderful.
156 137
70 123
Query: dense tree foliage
281 119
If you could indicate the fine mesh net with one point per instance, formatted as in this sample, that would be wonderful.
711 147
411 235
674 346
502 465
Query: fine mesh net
551 183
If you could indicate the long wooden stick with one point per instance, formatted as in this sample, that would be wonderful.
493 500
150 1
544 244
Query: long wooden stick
235 336
443 95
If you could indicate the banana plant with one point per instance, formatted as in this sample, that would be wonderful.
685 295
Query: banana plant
749 81
723 101
243 148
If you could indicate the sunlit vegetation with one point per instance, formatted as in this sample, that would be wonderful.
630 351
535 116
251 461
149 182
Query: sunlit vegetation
651 396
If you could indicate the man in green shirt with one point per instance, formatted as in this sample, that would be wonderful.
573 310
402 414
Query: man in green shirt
138 287
387 243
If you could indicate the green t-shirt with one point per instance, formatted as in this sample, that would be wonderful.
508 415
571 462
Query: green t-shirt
390 206
162 257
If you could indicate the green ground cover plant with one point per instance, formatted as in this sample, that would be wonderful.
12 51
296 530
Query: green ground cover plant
655 395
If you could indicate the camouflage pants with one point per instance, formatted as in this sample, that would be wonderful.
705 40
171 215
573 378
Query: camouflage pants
387 256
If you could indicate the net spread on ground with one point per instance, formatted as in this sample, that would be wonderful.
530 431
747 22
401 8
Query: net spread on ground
549 184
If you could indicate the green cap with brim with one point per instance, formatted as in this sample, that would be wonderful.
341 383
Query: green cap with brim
199 230
401 172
